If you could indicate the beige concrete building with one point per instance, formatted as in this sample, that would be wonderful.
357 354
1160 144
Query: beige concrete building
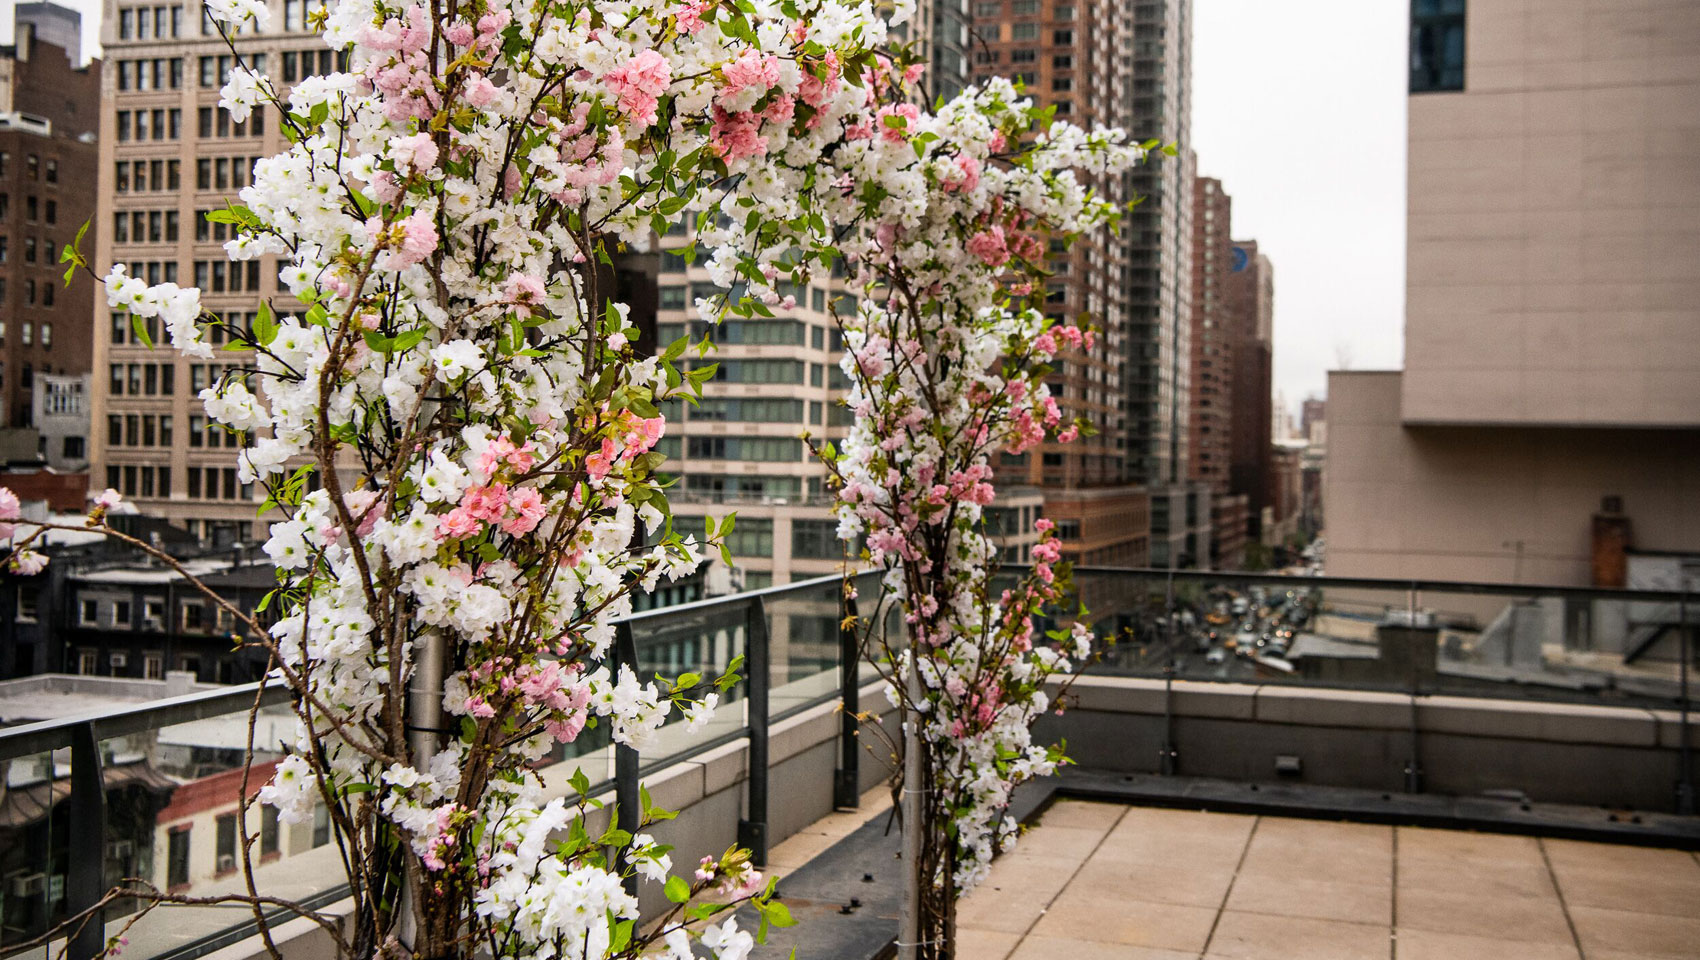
1552 341
168 155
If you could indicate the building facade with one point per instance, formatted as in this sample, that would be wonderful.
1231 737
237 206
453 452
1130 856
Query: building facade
1552 341
49 111
1252 317
168 155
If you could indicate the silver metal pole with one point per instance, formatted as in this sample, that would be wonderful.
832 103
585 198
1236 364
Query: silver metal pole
424 732
909 931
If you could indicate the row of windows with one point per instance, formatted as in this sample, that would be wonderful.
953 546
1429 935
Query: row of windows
138 430
205 483
764 449
150 125
34 293
1022 8
204 375
27 329
205 433
810 539
148 176
143 23
217 483
159 73
1030 31
758 410
33 208
221 276
215 70
780 332
35 250
144 226
224 173
33 166
719 486
299 65
1059 61
142 379
213 121
140 481
155 272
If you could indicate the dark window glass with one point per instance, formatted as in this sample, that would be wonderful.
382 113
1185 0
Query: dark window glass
1437 45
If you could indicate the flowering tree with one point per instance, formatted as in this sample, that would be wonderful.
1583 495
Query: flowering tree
458 437
947 359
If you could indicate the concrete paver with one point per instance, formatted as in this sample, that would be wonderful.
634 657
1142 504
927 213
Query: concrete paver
1096 880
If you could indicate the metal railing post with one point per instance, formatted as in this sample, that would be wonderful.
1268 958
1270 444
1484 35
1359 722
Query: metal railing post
1168 758
628 790
1413 765
752 830
85 880
846 792
1685 752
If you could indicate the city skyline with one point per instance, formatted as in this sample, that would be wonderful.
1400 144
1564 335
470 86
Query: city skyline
1340 239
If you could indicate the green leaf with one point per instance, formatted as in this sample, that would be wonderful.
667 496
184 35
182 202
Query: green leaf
265 324
141 331
678 890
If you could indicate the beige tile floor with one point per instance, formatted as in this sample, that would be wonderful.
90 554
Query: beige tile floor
1094 881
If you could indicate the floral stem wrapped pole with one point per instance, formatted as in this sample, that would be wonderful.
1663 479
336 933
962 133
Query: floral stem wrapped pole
456 438
947 358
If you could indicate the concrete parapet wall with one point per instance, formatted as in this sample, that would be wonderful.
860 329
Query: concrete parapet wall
1552 752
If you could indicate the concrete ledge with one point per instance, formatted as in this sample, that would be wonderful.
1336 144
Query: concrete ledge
1532 720
1316 707
1229 701
1670 728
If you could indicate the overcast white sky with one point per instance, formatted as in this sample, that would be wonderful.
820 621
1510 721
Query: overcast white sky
1299 108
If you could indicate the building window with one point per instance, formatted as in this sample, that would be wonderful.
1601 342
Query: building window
1024 31
1437 45
815 540
153 667
90 612
177 859
87 662
268 831
226 849
29 598
751 537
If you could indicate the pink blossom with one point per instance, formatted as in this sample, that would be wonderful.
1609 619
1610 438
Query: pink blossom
638 83
1043 525
10 508
751 70
528 510
480 92
989 246
908 112
688 17
108 499
458 524
736 135
486 503
417 152
460 33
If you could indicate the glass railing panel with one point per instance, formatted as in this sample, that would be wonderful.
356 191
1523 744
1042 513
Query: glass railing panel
34 840
175 820
1557 645
803 645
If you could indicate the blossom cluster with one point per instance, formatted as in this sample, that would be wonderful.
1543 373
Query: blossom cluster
451 422
947 358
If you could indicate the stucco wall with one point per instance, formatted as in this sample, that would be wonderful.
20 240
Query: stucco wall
1454 503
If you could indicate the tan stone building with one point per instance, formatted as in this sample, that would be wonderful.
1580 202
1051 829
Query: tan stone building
168 155
1552 340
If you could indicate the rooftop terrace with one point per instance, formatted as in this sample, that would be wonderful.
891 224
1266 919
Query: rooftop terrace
1094 881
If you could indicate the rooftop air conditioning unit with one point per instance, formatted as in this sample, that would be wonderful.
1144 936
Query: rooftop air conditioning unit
226 862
